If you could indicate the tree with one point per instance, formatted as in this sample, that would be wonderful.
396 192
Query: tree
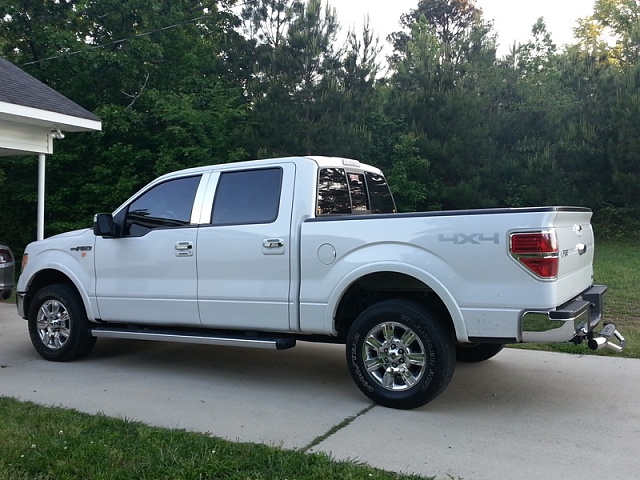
156 72
307 95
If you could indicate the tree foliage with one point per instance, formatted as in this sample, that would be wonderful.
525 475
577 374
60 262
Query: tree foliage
180 83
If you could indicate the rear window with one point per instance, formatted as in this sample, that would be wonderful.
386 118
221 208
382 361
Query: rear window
342 192
379 193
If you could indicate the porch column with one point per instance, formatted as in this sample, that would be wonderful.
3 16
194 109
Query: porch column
41 175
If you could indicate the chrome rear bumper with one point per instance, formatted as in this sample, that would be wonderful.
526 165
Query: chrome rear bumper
575 321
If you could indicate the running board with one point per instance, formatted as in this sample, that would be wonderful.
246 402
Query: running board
197 337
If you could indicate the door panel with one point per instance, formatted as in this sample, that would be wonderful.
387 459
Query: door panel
149 275
150 279
243 256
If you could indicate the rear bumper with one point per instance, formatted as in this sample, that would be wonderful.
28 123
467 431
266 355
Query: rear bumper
573 321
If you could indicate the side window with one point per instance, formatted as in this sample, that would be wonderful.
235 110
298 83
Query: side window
333 192
380 195
168 204
247 197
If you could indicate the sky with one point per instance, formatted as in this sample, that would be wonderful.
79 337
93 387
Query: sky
512 19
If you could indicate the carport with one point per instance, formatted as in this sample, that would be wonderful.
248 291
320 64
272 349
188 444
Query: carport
32 116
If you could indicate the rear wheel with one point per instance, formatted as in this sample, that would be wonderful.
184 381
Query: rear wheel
399 354
477 352
58 324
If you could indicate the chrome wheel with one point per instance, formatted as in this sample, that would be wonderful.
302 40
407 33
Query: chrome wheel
394 356
58 324
53 324
400 354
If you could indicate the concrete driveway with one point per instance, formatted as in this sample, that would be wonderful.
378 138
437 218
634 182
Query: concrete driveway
529 415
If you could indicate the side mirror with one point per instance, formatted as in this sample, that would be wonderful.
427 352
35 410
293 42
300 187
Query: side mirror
103 225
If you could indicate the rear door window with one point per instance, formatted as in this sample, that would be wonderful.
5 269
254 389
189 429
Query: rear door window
247 197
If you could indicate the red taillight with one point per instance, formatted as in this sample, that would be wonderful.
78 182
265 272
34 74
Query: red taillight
537 251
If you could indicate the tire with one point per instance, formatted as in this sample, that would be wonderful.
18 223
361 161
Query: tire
477 352
399 354
58 324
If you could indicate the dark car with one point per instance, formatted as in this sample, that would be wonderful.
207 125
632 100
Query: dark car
7 272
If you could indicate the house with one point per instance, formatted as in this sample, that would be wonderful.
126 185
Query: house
32 117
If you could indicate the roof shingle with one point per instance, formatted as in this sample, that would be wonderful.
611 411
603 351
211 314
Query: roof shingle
20 88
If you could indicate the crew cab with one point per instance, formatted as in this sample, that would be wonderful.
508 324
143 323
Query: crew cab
266 253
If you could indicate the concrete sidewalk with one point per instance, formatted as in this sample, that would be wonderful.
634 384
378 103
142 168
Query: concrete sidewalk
523 414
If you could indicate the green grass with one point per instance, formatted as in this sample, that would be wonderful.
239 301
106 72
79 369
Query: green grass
44 443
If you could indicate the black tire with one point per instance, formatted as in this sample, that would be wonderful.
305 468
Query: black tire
58 324
399 354
477 352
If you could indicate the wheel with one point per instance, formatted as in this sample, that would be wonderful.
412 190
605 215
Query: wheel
477 352
58 324
399 354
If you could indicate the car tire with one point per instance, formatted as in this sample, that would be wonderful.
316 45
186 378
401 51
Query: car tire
477 352
58 324
399 354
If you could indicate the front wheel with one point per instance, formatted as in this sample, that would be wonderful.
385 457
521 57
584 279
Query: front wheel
58 324
399 354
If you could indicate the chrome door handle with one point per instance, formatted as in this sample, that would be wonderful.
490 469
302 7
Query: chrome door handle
184 249
273 243
273 246
184 245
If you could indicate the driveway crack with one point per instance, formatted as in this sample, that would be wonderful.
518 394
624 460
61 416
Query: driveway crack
336 428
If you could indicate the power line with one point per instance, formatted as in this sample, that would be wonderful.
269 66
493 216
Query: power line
123 40
115 42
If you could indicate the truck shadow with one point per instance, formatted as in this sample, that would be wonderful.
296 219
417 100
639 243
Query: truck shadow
496 383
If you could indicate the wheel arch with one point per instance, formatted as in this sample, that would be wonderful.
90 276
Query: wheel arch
375 282
55 275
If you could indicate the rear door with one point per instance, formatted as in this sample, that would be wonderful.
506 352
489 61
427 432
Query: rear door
244 252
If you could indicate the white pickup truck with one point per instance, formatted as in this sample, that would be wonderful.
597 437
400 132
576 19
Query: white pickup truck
269 252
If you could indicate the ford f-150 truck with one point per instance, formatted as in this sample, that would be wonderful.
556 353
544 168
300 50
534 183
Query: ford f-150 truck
270 252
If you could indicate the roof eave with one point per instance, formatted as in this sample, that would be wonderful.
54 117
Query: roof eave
46 118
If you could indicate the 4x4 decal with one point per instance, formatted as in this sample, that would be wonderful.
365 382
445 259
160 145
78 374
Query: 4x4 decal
472 238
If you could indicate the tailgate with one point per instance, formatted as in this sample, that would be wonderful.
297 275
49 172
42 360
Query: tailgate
575 249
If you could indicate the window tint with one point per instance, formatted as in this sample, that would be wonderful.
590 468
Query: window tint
247 197
333 192
379 193
168 204
359 197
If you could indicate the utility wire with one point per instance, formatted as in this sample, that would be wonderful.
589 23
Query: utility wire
123 40
115 42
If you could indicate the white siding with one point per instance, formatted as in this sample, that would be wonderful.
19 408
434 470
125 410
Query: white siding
25 138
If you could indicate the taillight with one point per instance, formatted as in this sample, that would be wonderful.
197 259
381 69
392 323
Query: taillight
536 251
5 256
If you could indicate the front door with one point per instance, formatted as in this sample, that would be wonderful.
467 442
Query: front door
149 275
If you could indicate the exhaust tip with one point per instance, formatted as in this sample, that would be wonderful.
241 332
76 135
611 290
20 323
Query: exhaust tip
604 339
597 343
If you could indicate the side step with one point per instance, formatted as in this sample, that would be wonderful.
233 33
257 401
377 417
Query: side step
203 337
